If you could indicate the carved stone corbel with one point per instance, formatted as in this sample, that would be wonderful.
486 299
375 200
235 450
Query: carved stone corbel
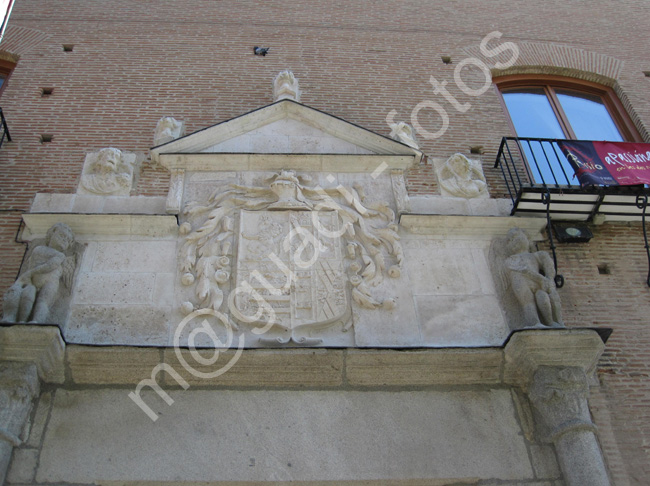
175 194
19 384
558 396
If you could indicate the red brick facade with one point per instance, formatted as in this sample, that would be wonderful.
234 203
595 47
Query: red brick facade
134 62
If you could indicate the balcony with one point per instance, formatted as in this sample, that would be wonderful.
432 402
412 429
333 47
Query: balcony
4 129
537 174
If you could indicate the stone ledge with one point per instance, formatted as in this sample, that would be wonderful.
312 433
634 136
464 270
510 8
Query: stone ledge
41 345
37 224
111 365
364 482
428 367
459 227
529 349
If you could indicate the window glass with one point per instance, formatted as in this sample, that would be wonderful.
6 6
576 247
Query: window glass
532 114
588 117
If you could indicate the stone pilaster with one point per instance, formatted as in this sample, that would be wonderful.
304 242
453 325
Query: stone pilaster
558 396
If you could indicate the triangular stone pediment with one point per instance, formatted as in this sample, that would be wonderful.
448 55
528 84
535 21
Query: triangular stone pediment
285 127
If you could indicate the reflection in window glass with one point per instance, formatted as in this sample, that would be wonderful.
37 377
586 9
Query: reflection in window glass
533 116
588 117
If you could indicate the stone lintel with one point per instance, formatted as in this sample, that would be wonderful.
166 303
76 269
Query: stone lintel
37 224
460 227
40 345
328 163
528 350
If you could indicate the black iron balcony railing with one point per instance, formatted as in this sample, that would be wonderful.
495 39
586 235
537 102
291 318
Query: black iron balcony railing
4 128
533 167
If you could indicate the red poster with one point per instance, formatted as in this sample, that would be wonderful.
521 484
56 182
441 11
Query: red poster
608 163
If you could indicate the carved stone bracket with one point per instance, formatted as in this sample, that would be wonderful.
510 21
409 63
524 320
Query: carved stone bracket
399 192
175 194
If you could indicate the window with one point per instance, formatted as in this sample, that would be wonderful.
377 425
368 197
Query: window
558 108
5 70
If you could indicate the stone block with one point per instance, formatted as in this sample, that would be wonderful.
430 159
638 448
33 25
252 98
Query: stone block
110 366
52 203
114 288
23 466
420 368
88 204
439 269
261 367
228 435
135 205
135 256
145 325
465 320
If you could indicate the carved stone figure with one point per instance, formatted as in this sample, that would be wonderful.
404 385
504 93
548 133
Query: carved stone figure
107 172
462 177
35 291
285 87
167 129
403 132
18 386
531 277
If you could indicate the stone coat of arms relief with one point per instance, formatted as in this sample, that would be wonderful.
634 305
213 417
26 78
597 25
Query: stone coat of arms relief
290 260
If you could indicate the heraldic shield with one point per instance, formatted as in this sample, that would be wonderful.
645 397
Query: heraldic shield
291 264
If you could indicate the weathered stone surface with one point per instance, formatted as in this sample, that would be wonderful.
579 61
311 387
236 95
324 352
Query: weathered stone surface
101 435
419 368
119 324
52 203
295 367
40 345
107 366
23 466
145 256
40 419
114 288
467 320
544 462
527 350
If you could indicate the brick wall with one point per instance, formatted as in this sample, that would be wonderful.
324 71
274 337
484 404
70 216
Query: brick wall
134 62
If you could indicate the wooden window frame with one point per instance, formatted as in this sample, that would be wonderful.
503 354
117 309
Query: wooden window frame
549 84
6 68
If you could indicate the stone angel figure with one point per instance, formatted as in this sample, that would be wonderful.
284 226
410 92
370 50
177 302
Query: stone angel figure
38 288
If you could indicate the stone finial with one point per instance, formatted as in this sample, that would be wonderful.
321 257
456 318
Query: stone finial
403 132
38 288
531 278
461 177
168 129
107 172
285 87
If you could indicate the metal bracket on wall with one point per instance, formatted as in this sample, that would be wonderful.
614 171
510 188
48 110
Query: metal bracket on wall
546 200
642 203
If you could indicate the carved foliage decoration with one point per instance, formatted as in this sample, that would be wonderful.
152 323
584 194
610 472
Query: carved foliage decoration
366 234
